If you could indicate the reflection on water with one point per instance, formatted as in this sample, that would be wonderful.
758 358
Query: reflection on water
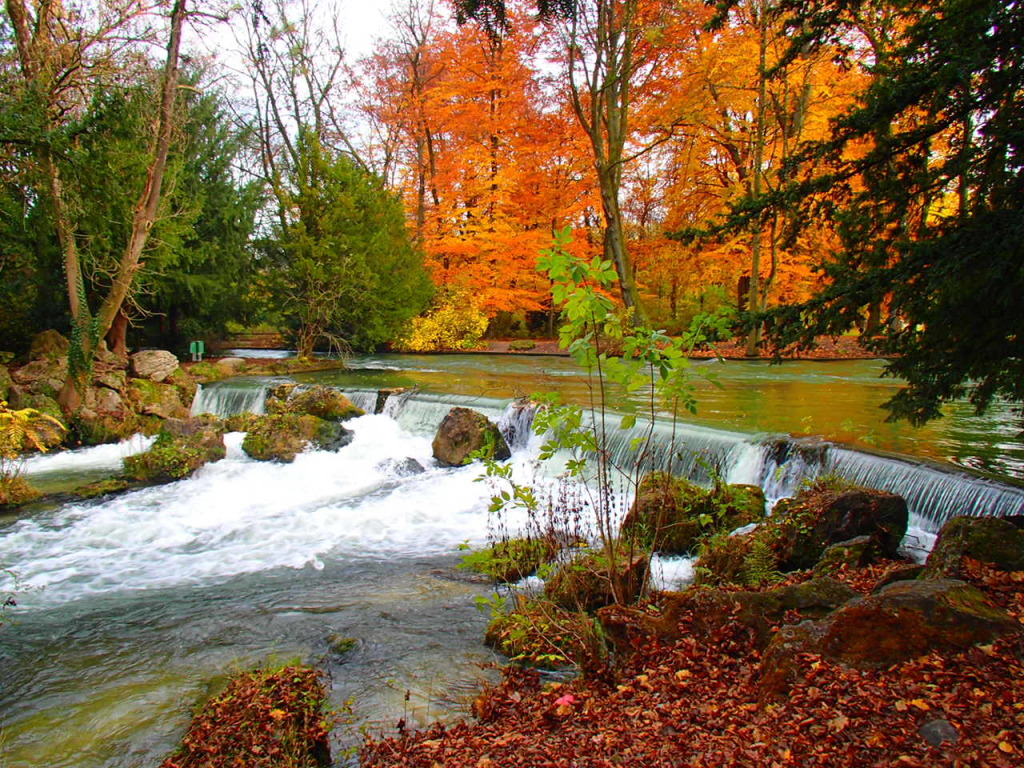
837 400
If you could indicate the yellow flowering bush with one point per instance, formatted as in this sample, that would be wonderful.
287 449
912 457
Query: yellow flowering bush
455 322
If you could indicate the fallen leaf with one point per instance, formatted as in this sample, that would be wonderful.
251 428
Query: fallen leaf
838 723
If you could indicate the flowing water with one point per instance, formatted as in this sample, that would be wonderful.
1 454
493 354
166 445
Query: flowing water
132 610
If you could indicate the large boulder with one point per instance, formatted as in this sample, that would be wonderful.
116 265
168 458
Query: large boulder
996 542
48 345
820 517
181 447
802 529
42 377
150 398
670 514
902 621
324 403
153 364
463 432
282 436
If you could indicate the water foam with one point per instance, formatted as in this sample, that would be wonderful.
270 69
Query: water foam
238 516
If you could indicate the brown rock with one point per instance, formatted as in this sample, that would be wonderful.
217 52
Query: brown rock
904 620
464 431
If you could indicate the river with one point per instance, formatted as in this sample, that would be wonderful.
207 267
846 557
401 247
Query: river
132 610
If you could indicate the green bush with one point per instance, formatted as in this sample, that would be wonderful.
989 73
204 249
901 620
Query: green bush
511 560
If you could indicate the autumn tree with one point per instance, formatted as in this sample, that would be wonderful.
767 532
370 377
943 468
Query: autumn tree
486 158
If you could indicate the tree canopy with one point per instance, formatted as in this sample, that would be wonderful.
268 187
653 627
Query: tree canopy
922 180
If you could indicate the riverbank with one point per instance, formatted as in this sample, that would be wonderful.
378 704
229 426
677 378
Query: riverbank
699 703
838 348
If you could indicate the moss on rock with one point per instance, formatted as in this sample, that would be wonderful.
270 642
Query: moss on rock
990 540
282 436
671 514
174 456
15 490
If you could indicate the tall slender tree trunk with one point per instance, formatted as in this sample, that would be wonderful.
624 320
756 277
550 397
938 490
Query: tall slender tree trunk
757 176
88 331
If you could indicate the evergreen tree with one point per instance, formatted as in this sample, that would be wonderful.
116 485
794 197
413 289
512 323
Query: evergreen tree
342 268
923 181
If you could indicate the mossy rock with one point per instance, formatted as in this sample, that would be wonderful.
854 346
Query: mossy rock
6 382
854 553
671 515
240 422
152 398
723 559
903 621
593 581
42 403
108 487
801 529
324 403
462 433
207 372
175 456
16 490
96 429
522 345
512 560
341 645
48 345
710 608
282 436
266 718
996 542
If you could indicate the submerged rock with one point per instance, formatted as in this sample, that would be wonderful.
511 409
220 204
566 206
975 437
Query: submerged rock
463 432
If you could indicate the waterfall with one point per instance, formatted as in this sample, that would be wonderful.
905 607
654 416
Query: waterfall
933 492
779 464
230 397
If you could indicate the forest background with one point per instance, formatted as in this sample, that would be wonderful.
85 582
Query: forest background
847 163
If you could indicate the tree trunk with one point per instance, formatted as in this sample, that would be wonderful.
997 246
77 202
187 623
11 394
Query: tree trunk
117 336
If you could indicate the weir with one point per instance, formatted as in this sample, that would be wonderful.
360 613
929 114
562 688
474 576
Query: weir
780 464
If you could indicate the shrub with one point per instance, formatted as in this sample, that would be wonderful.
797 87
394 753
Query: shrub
539 633
455 322
511 560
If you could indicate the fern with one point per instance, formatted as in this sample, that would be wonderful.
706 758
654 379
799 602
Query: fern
761 566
